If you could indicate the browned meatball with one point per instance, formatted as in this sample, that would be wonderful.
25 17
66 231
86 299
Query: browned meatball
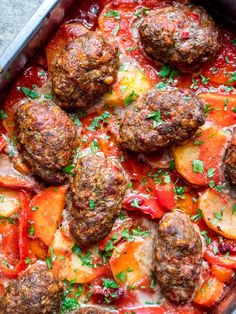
47 139
97 192
37 291
161 118
93 310
179 257
230 162
85 70
185 37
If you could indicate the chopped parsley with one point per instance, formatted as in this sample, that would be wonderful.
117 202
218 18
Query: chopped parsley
198 216
135 203
204 79
233 78
31 230
94 147
132 97
28 260
34 208
208 108
140 12
198 166
172 164
97 120
85 258
113 13
161 85
91 204
32 93
116 30
131 48
110 283
166 71
210 172
76 120
205 234
69 169
233 209
3 115
126 235
122 276
156 117
215 248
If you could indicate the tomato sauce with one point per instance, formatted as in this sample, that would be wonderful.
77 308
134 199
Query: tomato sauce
159 182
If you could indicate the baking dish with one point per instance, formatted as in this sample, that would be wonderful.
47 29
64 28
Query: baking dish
16 56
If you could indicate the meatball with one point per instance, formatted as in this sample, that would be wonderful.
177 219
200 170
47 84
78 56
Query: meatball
47 139
179 256
85 70
93 310
37 291
185 37
98 189
161 118
230 163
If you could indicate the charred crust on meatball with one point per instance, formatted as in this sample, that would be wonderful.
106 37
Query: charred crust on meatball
184 36
160 119
47 138
98 188
85 70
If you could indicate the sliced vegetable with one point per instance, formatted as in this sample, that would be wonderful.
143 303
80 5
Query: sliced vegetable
165 195
38 248
199 161
131 261
46 208
187 203
219 212
147 204
116 234
216 258
222 273
10 202
9 177
218 106
68 264
12 273
210 292
131 83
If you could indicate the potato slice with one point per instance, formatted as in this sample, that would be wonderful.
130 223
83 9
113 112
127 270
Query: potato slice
207 149
130 84
67 264
131 262
219 212
10 202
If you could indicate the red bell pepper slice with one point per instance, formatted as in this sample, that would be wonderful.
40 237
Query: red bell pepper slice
23 248
141 203
165 195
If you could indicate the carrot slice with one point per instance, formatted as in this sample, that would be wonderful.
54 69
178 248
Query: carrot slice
220 106
210 292
47 207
